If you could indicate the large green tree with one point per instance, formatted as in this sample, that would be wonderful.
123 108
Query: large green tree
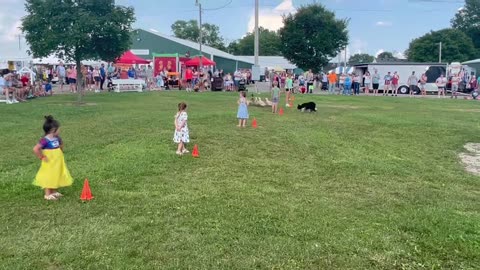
386 57
456 47
189 30
361 58
312 36
77 30
270 44
467 20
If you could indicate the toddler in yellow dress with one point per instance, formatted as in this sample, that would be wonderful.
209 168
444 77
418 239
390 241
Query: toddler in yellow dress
53 173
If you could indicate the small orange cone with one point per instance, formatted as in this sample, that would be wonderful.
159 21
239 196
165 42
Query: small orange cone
281 111
254 123
86 192
195 152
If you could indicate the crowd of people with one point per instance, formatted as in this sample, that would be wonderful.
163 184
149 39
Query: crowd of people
18 87
354 83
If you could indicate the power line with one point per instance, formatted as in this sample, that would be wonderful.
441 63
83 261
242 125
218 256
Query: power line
218 8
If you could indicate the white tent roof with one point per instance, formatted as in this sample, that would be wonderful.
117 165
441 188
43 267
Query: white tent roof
271 62
476 61
474 64
52 60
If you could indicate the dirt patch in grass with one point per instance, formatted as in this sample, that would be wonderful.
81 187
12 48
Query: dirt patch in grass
471 158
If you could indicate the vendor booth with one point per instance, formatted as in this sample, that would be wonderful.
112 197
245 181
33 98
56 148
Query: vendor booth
171 62
124 83
128 59
195 62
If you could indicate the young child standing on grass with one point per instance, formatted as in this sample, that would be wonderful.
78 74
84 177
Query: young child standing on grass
275 96
242 113
289 89
53 173
181 135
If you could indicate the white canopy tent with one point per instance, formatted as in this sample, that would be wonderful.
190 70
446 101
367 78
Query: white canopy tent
52 60
271 62
474 64
31 74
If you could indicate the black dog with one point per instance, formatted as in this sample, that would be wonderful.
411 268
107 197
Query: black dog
309 106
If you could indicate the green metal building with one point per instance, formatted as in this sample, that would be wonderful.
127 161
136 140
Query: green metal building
146 43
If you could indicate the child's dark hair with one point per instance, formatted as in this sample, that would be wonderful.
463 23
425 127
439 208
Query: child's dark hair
50 125
182 106
243 94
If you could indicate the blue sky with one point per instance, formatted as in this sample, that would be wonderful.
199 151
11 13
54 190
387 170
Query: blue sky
376 25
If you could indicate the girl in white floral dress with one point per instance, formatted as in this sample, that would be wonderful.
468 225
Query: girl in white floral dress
181 136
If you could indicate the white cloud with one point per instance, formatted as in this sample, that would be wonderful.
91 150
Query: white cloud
12 33
10 21
383 23
399 55
359 46
271 18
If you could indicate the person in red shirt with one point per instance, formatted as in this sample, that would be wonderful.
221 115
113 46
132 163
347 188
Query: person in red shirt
395 80
189 78
24 80
25 89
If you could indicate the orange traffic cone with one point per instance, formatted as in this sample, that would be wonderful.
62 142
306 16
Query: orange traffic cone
254 123
86 192
195 152
281 111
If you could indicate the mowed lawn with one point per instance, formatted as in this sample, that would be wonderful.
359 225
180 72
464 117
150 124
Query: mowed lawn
365 183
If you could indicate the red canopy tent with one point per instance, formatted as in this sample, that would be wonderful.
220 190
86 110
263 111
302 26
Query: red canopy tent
195 62
131 59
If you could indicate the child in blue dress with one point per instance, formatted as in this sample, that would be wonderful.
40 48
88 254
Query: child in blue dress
242 113
181 135
347 90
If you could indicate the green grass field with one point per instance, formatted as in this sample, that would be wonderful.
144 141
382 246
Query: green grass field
365 183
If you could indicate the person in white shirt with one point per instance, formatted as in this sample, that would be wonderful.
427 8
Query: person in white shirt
2 87
61 74
375 82
423 82
9 88
412 83
341 83
441 84
237 76
324 81
356 84
367 81
455 82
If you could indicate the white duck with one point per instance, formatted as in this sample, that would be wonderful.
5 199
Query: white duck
260 102
269 103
